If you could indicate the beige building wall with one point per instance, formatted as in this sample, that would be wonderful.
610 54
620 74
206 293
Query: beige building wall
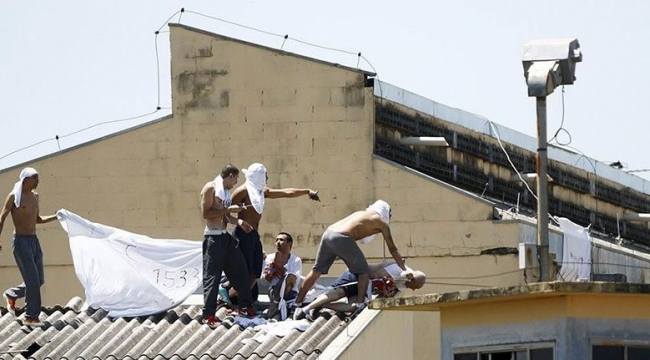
312 124
387 335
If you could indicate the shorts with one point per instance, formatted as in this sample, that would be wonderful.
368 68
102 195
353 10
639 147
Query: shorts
251 247
348 282
333 244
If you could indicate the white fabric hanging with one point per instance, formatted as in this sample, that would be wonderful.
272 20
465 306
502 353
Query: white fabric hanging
128 274
576 254
255 184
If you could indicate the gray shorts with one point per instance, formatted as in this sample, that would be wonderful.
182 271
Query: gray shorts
333 244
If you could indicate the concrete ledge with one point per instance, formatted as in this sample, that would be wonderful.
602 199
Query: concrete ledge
434 302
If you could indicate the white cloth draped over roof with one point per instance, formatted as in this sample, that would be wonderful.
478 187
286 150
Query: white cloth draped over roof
18 186
255 184
382 208
128 274
576 254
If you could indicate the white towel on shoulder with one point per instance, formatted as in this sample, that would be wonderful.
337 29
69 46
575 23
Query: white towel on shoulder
18 186
221 192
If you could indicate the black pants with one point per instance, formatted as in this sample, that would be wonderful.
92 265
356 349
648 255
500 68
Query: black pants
220 253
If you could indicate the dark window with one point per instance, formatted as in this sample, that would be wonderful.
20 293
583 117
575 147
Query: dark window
471 356
541 354
508 355
618 352
607 352
638 353
524 354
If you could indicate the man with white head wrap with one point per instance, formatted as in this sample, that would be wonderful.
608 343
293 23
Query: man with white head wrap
220 249
22 204
253 194
339 240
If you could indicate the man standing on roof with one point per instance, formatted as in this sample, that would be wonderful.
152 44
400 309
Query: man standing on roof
253 194
220 252
340 239
22 203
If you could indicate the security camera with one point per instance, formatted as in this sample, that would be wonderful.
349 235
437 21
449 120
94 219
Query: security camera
550 63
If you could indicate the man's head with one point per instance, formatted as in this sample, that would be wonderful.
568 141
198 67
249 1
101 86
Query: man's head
382 208
416 279
29 177
284 242
230 175
256 175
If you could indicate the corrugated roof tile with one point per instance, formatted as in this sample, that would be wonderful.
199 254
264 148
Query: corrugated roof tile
72 332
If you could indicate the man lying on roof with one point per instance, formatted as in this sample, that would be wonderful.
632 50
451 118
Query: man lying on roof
387 279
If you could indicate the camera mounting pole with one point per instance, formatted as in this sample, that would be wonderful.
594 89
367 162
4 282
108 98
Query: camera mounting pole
547 64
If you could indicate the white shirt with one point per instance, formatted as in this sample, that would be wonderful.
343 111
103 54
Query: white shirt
293 266
396 273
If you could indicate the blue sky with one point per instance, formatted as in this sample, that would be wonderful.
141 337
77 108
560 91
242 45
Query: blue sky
66 66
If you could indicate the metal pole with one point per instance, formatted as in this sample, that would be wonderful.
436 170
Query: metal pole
542 191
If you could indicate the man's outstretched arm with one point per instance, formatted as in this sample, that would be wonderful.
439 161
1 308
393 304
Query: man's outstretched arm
290 193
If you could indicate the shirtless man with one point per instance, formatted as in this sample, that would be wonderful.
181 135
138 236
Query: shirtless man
346 286
253 194
340 240
220 252
22 203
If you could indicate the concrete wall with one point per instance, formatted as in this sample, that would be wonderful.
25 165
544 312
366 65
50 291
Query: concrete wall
307 121
387 335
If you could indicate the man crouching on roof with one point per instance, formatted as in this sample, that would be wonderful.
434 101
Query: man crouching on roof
340 239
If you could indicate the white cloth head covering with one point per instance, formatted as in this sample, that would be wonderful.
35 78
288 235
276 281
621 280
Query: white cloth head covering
18 186
383 209
255 184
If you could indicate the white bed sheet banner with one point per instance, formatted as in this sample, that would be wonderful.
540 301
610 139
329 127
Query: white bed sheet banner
576 254
129 274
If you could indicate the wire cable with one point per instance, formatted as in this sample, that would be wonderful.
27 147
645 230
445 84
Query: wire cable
155 41
25 148
498 137
58 137
167 22
108 122
561 128
637 170
231 23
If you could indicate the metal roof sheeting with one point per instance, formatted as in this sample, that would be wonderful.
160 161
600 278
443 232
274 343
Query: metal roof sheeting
74 332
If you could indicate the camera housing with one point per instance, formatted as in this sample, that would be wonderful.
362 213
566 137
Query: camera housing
550 63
